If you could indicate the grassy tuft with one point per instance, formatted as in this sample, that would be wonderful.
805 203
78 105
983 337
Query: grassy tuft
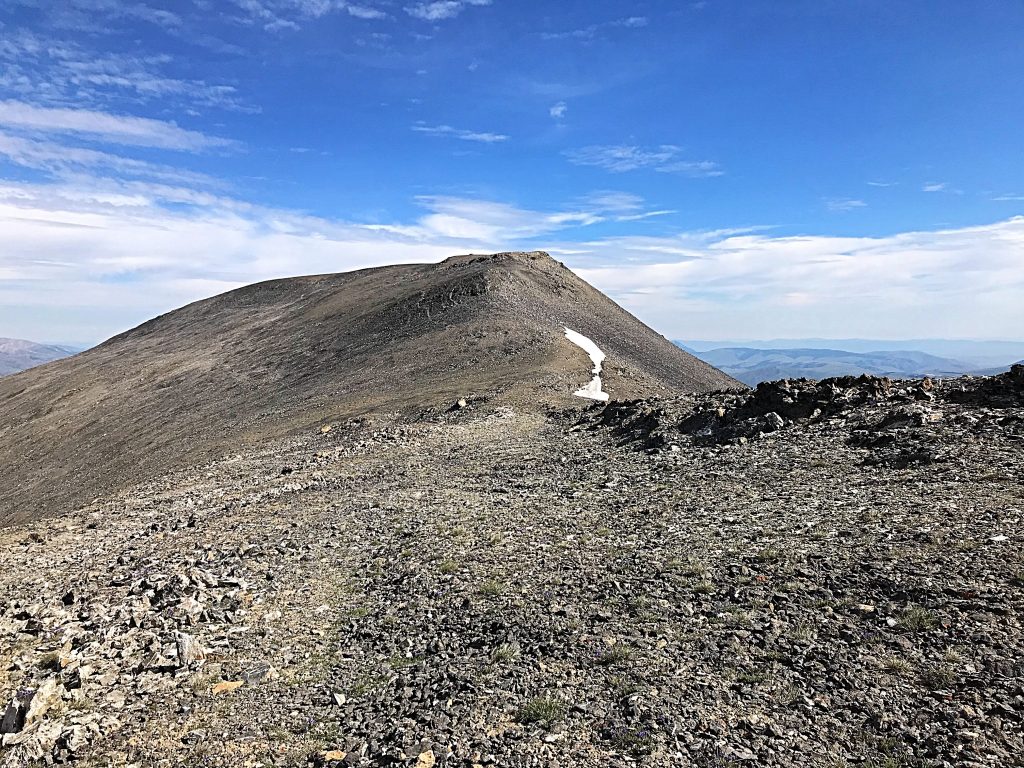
769 555
916 618
491 588
614 655
505 652
541 710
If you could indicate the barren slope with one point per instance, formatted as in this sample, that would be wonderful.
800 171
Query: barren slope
272 358
500 589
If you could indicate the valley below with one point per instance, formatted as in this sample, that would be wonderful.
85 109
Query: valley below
807 575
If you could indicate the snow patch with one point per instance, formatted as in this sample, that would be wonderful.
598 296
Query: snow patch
593 390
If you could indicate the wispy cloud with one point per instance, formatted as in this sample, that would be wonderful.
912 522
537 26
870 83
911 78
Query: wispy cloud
56 72
558 110
499 224
844 205
593 31
936 186
666 158
111 128
492 222
289 15
62 160
1009 198
447 130
613 201
882 183
619 207
365 12
442 9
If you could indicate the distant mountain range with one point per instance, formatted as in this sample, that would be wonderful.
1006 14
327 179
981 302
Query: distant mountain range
754 364
19 355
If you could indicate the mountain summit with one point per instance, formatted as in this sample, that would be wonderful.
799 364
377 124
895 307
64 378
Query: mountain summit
277 357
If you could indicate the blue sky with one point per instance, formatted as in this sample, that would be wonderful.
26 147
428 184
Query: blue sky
724 169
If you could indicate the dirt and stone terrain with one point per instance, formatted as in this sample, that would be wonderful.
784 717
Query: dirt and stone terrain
810 574
271 359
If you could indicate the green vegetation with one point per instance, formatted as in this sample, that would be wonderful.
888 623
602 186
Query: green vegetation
398 661
613 655
704 588
918 619
750 677
634 741
542 710
937 677
491 588
505 652
769 555
897 665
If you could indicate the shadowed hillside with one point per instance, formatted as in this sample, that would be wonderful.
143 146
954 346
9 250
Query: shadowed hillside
276 357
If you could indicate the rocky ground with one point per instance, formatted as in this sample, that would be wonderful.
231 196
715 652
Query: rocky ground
813 574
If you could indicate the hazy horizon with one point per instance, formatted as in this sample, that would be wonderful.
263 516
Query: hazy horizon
706 344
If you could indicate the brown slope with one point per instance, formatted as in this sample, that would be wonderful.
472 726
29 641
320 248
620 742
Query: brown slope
275 357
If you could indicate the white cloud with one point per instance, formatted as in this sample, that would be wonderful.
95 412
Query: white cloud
442 9
88 257
117 129
55 72
618 206
447 130
644 215
935 186
592 31
844 205
365 12
158 16
882 183
622 158
82 265
85 258
1009 198
613 201
62 161
558 110
277 15
924 284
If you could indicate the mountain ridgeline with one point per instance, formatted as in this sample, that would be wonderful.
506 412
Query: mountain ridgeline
19 355
278 357
752 366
